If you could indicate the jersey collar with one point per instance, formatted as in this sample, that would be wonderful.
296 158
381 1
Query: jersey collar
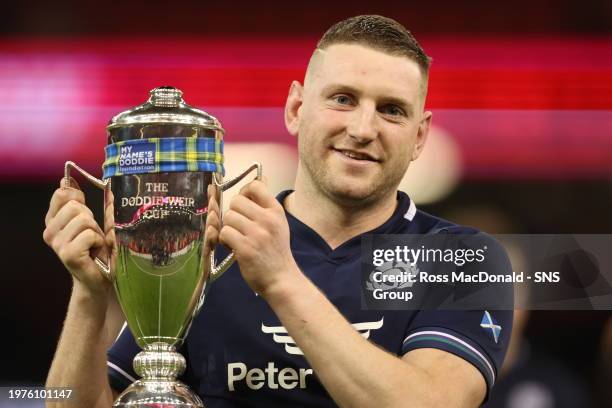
305 238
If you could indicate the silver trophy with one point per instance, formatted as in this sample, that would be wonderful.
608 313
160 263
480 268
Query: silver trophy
161 158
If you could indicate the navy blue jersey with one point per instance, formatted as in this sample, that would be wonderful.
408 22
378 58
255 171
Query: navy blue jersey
239 354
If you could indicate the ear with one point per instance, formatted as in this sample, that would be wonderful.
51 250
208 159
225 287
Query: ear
422 134
292 107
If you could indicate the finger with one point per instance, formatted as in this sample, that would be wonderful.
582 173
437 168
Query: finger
246 207
257 191
212 190
237 221
102 252
212 219
264 179
231 238
211 237
211 230
213 204
109 205
69 183
65 214
79 224
109 219
70 210
60 198
86 242
110 242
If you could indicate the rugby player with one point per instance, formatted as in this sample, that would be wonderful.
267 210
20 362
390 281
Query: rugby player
284 326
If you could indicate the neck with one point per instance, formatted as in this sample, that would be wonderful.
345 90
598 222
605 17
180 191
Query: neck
334 222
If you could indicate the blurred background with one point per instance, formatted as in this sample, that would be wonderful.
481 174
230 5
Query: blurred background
522 140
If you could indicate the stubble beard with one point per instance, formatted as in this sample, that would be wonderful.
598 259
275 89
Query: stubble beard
328 184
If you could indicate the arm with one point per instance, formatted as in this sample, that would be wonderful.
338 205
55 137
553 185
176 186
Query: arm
94 317
80 358
354 371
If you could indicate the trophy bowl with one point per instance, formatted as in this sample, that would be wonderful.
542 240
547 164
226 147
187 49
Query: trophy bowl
161 158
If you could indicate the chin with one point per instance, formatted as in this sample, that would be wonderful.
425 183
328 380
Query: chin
352 195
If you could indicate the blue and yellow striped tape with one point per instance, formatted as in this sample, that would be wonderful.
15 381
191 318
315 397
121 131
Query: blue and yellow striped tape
157 155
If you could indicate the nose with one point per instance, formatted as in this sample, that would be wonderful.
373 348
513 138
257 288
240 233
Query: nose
362 126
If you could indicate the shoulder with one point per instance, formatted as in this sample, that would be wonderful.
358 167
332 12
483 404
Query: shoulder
412 220
431 224
463 235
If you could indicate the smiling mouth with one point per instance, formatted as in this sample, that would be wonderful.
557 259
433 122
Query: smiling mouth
356 155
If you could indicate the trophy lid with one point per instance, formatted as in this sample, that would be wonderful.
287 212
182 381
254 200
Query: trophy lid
165 106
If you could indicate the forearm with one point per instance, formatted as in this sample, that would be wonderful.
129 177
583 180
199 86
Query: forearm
354 371
80 358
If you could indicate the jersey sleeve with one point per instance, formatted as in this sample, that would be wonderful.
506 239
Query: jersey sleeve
119 361
478 336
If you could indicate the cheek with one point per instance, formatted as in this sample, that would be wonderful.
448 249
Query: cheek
332 121
318 128
400 144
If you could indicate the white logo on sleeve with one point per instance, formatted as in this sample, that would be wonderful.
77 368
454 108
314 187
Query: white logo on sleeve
279 334
488 323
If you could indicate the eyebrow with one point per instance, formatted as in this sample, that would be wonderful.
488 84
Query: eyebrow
386 100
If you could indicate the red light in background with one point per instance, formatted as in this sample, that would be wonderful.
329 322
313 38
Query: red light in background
517 108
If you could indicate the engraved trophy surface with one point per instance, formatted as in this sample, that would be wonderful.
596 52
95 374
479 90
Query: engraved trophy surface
161 158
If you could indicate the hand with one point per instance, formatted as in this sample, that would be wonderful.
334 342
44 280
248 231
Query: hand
256 229
76 237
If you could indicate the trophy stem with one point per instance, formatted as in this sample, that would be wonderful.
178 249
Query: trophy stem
158 364
159 361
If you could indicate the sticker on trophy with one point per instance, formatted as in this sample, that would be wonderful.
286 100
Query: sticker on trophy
137 158
163 155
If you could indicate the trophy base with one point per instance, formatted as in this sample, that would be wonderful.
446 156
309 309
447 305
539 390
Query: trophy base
161 393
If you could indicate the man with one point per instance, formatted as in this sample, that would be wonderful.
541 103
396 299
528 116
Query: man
287 328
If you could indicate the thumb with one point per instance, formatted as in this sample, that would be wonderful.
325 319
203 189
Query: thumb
69 183
102 252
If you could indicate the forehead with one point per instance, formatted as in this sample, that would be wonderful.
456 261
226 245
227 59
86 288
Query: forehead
366 69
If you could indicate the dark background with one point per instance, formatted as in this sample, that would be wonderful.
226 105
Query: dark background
35 286
291 18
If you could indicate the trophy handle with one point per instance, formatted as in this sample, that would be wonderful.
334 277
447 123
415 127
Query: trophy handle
101 184
217 270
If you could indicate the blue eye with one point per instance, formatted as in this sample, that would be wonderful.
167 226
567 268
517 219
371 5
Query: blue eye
343 99
392 110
